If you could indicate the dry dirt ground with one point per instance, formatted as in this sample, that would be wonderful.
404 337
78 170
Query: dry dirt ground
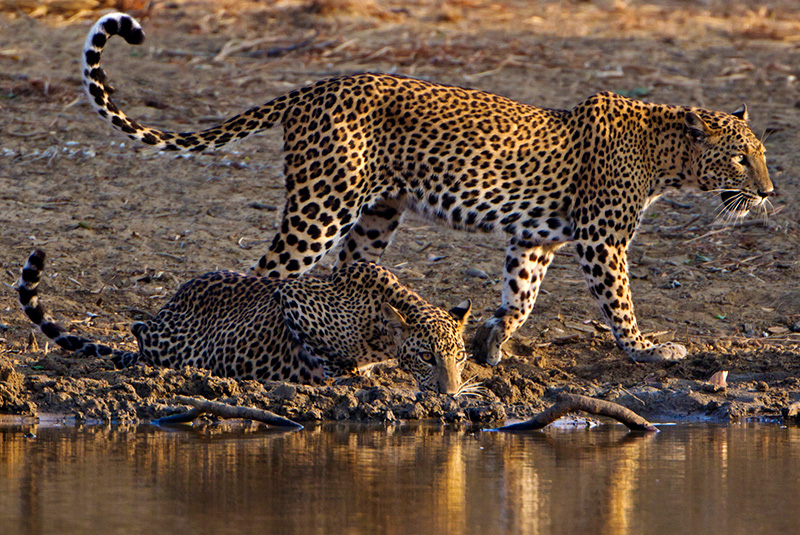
123 227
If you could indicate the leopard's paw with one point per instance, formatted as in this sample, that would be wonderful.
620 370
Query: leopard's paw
661 352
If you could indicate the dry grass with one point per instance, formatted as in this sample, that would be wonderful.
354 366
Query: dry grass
73 8
360 8
775 20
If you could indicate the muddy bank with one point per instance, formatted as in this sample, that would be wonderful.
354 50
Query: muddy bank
90 390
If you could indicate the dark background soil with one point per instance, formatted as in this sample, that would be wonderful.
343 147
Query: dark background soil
123 226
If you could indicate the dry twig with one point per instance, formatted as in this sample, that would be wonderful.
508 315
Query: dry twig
201 406
566 403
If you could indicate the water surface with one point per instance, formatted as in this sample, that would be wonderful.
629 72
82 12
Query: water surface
415 478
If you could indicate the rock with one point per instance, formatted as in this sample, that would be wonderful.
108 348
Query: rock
285 392
719 379
475 272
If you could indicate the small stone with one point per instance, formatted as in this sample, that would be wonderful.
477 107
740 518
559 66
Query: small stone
261 206
777 329
313 414
285 392
475 272
719 379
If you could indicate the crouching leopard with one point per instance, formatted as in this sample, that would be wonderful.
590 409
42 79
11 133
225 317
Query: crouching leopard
360 150
302 330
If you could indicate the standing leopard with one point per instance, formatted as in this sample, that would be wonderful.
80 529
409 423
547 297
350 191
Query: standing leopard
360 150
302 330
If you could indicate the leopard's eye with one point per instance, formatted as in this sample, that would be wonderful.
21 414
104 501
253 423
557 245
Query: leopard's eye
462 357
741 159
426 357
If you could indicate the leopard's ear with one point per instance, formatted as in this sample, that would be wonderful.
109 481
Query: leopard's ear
395 322
461 311
696 128
741 113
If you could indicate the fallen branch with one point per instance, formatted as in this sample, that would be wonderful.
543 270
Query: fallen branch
566 403
223 410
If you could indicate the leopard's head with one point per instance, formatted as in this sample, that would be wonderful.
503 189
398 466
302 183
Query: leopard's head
430 345
729 159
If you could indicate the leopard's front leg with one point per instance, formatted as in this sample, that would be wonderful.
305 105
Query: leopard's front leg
525 267
605 268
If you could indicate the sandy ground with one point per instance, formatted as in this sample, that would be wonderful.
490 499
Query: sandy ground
123 227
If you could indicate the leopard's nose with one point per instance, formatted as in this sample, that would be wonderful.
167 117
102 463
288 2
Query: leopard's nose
765 194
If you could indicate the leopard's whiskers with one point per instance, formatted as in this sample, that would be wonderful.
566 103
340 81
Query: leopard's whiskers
472 388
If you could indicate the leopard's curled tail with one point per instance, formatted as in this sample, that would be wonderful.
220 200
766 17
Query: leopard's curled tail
98 91
28 291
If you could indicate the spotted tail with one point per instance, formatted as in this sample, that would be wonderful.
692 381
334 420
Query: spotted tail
28 290
98 91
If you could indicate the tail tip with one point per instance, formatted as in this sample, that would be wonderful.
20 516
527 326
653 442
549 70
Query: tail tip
124 26
36 259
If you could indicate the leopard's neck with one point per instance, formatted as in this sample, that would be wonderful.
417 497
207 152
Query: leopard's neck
671 151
